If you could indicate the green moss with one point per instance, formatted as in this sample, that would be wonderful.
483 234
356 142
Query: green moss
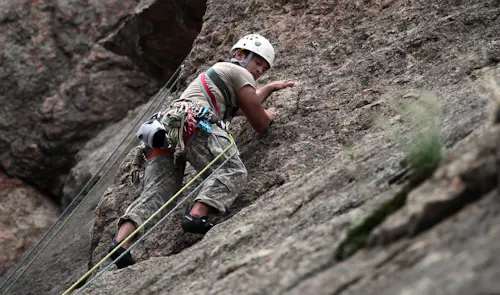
358 236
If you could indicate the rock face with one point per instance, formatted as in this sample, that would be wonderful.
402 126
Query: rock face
58 88
351 60
25 215
325 165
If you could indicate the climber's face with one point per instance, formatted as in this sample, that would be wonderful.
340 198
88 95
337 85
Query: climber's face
257 66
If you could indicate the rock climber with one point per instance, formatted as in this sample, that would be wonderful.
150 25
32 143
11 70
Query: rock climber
227 89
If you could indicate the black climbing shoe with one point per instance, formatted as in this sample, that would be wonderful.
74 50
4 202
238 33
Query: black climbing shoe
197 225
126 260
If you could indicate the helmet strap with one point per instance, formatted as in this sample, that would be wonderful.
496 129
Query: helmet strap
243 63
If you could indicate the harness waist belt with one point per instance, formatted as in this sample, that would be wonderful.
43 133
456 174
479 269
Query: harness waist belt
150 152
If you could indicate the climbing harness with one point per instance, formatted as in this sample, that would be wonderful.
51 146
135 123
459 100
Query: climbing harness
162 93
151 218
208 94
150 152
171 129
182 120
178 124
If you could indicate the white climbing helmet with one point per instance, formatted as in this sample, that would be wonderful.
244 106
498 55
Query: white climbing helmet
256 44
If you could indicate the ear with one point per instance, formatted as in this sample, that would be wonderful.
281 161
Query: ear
240 55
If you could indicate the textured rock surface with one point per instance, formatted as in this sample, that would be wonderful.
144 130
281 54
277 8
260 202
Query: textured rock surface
58 88
325 164
25 215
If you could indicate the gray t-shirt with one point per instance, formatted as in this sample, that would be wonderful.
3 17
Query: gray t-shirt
234 76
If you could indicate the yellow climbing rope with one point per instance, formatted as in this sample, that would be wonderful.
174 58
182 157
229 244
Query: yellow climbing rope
233 143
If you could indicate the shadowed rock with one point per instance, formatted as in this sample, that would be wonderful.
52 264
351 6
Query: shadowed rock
158 36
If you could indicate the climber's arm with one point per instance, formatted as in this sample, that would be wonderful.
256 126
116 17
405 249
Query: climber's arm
252 108
262 93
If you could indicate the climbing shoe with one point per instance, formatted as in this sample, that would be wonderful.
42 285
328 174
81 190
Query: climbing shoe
197 225
126 260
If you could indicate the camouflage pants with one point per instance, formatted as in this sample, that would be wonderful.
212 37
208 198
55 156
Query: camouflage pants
163 178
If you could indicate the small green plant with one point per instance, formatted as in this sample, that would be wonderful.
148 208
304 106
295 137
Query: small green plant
421 141
422 145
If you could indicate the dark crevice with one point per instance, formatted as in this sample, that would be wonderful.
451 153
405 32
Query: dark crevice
478 180
159 37
476 189
357 237
399 177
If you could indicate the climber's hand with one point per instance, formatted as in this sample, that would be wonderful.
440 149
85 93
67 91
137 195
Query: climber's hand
271 114
278 85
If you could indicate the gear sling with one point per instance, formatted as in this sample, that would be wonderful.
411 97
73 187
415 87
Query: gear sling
176 126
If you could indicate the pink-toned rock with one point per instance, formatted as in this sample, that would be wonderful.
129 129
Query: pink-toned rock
25 215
